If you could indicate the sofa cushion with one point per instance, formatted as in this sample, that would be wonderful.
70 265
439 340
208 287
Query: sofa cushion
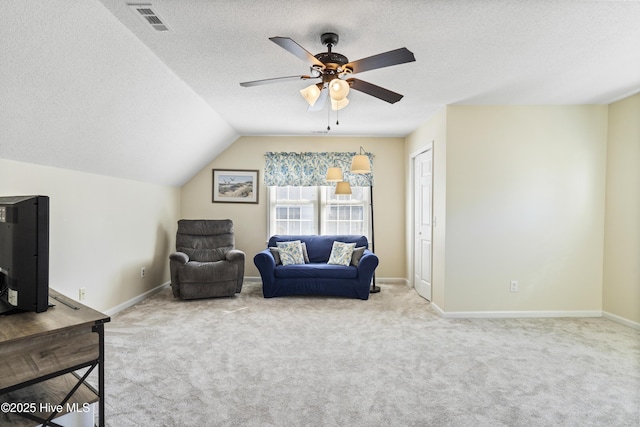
341 253
319 270
202 272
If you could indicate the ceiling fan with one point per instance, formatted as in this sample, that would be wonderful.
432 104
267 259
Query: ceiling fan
334 71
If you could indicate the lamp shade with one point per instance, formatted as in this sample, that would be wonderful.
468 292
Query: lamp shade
334 175
311 94
360 164
343 187
339 105
338 89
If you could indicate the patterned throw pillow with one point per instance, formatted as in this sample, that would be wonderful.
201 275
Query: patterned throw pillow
290 252
341 253
276 254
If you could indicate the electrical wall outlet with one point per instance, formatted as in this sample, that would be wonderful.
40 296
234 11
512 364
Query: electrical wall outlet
143 271
514 286
82 293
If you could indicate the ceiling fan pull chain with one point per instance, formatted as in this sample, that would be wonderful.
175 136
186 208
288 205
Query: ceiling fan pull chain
329 117
337 117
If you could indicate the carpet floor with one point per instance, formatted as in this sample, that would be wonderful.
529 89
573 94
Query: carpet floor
388 361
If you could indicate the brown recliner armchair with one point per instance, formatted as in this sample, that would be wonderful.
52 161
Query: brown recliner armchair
206 263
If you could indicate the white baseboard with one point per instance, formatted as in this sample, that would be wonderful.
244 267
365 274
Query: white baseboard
118 308
437 308
385 280
626 322
532 314
514 314
392 280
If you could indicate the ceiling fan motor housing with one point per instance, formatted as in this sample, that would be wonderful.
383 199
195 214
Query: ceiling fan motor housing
332 58
333 61
329 39
333 65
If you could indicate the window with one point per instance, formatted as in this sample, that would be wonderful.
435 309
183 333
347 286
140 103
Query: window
292 210
318 210
345 214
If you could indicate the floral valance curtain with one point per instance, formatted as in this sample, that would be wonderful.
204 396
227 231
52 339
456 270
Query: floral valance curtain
310 169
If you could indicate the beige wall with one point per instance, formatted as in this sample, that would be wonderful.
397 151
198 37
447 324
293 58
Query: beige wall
525 201
432 132
102 230
621 293
250 221
519 193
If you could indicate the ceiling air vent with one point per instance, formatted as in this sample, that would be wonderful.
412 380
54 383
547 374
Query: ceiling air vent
145 12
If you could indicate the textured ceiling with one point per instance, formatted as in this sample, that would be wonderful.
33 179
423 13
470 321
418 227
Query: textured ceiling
467 52
78 91
88 85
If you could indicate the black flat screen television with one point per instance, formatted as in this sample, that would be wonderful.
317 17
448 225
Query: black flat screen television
24 254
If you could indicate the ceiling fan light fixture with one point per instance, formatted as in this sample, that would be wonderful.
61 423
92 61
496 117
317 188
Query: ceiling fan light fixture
338 89
339 105
335 69
311 93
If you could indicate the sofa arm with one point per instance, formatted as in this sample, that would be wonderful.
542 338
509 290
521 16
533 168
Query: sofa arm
176 260
180 257
367 266
235 255
266 264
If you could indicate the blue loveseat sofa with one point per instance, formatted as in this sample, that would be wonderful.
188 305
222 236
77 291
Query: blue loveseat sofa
317 277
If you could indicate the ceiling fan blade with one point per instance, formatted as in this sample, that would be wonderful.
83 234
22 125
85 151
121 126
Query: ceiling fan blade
292 47
386 59
322 99
373 90
275 80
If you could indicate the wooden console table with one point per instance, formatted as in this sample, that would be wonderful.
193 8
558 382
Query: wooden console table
39 356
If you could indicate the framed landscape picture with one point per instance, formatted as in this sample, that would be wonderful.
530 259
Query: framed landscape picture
235 186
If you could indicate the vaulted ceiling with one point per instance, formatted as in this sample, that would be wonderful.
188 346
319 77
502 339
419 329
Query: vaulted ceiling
90 85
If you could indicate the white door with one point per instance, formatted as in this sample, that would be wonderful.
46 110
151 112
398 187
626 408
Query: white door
422 202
